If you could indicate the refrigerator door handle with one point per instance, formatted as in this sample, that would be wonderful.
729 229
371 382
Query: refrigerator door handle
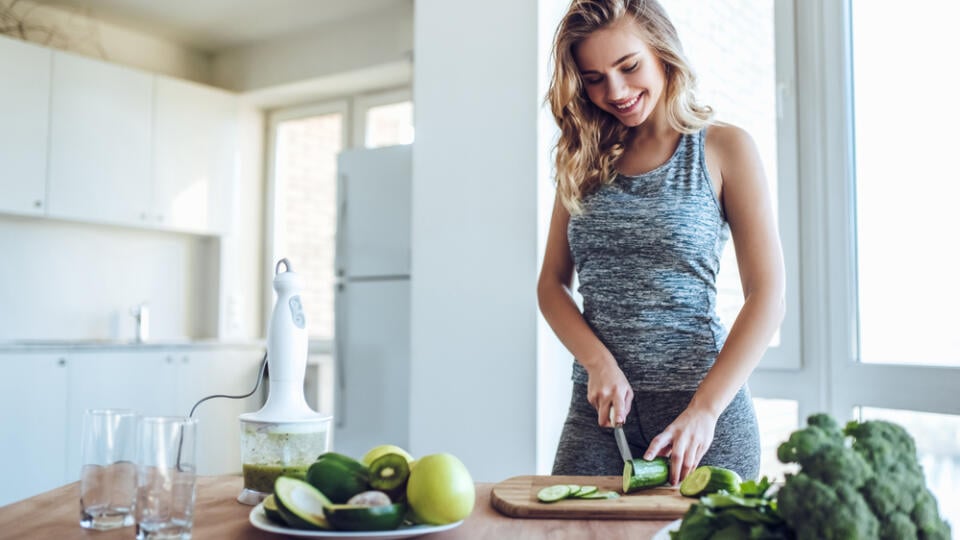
340 233
339 363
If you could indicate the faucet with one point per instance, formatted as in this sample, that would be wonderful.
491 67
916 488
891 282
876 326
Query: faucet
141 313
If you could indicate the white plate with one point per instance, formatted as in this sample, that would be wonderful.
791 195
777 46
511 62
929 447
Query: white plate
664 533
259 520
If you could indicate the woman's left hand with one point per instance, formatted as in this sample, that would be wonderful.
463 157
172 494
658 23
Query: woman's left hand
685 440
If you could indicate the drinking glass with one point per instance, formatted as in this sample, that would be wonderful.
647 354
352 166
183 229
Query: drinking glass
108 473
166 477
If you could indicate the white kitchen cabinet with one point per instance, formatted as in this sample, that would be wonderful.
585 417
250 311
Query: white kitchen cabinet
203 373
100 142
193 154
24 110
33 393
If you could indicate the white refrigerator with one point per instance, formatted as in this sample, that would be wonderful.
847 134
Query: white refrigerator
372 301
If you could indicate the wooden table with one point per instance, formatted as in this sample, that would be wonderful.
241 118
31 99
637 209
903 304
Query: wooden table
56 513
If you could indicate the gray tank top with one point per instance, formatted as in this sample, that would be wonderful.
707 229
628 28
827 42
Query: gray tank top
647 250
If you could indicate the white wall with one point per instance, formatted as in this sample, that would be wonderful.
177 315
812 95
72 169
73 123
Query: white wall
67 280
384 37
474 267
75 31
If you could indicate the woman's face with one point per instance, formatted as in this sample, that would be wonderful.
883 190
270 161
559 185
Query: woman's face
620 72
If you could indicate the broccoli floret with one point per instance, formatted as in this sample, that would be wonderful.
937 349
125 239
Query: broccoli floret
806 443
883 444
871 488
817 511
898 526
927 519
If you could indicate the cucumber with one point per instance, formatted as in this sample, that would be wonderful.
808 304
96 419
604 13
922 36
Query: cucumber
300 504
554 493
640 473
709 479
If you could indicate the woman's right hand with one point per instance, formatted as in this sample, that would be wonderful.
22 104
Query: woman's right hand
608 388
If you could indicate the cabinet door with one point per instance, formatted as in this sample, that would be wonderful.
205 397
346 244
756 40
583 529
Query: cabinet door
33 393
100 133
194 152
204 373
141 380
24 108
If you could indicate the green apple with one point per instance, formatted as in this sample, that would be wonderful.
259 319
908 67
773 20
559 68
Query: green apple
440 490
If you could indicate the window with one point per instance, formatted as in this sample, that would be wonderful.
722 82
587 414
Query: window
306 142
742 53
303 148
907 184
777 418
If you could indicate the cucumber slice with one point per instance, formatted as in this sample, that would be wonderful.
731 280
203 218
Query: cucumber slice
574 489
640 473
585 490
600 495
300 504
708 479
554 493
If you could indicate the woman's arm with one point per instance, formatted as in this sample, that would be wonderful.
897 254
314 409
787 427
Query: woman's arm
749 210
607 386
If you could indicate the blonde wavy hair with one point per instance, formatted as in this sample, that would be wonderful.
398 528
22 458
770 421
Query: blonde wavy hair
591 140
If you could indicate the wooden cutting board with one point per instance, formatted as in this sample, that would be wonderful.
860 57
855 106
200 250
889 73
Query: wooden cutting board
517 497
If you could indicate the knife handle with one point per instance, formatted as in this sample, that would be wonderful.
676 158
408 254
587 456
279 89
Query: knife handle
612 421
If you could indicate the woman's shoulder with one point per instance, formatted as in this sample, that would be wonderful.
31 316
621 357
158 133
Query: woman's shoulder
729 144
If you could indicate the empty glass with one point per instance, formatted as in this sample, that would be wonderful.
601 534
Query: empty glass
108 474
166 477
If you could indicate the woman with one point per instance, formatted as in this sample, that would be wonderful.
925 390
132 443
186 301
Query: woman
648 190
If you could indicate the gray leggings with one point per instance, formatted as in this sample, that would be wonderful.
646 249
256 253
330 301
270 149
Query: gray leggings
587 449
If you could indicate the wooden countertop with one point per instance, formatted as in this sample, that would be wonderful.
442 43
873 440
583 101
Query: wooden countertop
56 513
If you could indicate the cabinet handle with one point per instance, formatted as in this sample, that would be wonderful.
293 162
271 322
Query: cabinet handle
62 362
185 360
143 216
169 359
38 204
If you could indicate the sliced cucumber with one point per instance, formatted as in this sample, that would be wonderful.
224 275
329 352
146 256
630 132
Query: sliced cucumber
554 493
640 473
599 495
300 504
709 479
585 490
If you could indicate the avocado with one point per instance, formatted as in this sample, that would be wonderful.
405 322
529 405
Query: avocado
300 504
271 510
338 477
353 517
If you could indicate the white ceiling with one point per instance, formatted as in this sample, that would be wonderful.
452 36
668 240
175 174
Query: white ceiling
212 25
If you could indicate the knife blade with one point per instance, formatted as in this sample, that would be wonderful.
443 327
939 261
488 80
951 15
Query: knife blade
621 439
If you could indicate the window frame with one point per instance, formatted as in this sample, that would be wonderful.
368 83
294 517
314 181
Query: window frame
354 109
273 233
831 378
364 102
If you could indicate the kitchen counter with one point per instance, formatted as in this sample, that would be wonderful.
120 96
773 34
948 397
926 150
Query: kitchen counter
58 345
55 514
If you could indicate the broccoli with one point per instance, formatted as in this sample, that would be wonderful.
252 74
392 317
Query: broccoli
861 482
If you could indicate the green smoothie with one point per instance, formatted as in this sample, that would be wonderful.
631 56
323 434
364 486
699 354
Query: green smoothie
261 477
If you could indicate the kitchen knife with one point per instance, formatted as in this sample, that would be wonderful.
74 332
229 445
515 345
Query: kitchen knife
621 439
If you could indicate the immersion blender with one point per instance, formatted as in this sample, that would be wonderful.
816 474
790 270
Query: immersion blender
286 435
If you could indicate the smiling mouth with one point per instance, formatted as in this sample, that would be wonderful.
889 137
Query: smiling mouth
627 105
